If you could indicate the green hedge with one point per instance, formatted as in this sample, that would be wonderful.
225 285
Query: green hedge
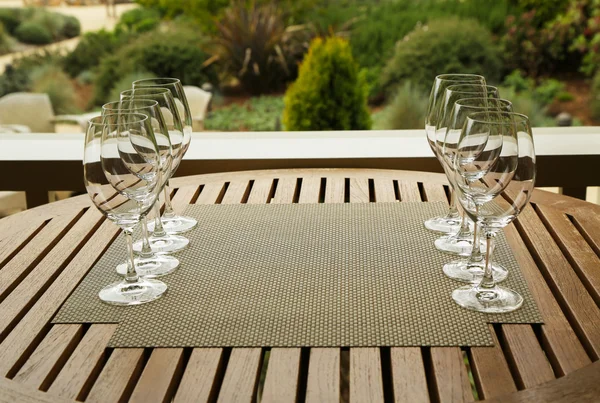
32 33
329 93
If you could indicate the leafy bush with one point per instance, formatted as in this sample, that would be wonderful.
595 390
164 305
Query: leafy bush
138 20
257 114
524 103
5 41
90 50
10 18
543 93
545 10
548 90
71 27
17 76
444 46
125 84
255 46
329 93
406 111
54 82
595 101
175 52
31 32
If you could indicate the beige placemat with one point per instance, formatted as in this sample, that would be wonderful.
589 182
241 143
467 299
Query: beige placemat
301 275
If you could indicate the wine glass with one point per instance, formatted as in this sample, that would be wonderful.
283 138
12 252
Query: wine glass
495 176
450 222
465 243
174 223
121 174
147 262
161 241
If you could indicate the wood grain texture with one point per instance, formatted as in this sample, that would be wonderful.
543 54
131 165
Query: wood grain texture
309 191
261 191
579 253
323 383
84 362
283 372
409 191
576 300
562 346
366 384
118 376
359 190
159 377
38 316
450 373
490 370
47 359
286 190
526 355
241 376
198 383
434 192
589 225
236 192
384 190
408 375
13 392
335 190
210 193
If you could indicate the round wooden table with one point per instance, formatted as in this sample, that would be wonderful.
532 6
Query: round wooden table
45 252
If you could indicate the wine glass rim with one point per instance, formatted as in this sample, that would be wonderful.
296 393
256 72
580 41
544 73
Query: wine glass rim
139 117
453 86
165 80
148 102
458 75
145 90
475 117
464 102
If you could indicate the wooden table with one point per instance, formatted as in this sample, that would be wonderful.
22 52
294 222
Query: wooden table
46 251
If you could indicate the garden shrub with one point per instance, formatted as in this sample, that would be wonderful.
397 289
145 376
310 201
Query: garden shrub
71 27
92 47
175 52
10 18
443 46
545 10
32 33
595 98
125 84
524 103
54 82
406 111
257 114
5 41
138 20
17 76
329 93
543 93
255 46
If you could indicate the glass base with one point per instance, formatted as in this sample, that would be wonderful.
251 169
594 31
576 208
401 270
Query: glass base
153 266
176 224
471 272
487 300
443 224
456 245
140 292
165 244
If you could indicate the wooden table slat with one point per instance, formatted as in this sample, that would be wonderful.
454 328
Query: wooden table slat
450 373
210 193
53 351
384 190
490 370
198 383
366 383
241 376
527 356
323 383
236 192
286 190
408 375
335 189
118 376
159 377
283 373
577 301
261 191
580 254
83 362
15 235
409 191
589 225
434 192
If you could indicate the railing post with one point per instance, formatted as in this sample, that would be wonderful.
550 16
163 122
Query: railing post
578 192
36 197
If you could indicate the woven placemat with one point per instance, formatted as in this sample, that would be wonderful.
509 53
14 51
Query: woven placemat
301 275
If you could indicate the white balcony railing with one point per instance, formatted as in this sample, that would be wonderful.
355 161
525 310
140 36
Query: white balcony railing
568 157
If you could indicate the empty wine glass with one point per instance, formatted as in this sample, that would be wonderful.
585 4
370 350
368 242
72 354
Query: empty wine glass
465 243
147 262
161 241
495 176
121 176
174 223
450 222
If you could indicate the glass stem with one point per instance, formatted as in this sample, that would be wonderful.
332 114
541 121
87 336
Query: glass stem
169 213
487 281
158 227
464 230
146 249
452 210
131 275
